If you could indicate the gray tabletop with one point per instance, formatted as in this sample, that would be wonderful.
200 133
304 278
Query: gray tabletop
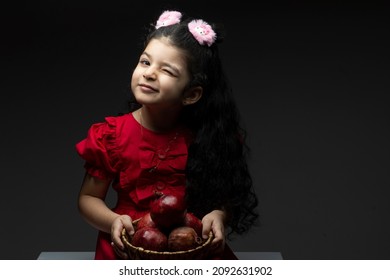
90 255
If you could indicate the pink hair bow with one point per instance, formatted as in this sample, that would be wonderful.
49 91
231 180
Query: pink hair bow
168 18
202 32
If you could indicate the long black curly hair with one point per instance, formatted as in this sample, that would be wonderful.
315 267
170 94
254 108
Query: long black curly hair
217 171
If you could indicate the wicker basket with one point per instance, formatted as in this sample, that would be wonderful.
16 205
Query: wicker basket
139 253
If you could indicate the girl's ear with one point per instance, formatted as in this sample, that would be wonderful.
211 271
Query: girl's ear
192 95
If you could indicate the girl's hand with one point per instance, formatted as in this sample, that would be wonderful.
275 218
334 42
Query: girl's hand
215 222
122 221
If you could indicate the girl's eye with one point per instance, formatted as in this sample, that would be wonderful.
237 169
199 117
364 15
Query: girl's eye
168 71
144 61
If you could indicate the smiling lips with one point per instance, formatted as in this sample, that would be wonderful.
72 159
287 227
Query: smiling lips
146 88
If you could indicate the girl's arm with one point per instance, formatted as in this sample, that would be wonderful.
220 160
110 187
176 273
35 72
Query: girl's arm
93 208
92 205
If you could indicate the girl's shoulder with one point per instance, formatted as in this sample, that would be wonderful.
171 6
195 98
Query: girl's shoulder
114 127
121 120
122 125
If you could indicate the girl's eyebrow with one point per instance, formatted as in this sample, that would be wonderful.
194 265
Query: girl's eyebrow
174 68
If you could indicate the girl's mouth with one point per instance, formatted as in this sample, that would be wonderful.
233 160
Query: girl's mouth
146 88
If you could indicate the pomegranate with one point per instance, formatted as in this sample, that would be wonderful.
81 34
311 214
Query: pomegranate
145 221
182 239
190 220
150 238
168 211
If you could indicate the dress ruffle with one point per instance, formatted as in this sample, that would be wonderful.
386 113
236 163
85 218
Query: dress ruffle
99 150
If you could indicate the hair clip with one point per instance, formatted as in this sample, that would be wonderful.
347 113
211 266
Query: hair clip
202 32
168 18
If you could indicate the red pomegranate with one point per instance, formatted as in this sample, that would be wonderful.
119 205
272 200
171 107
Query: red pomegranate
168 211
190 220
182 239
145 221
150 238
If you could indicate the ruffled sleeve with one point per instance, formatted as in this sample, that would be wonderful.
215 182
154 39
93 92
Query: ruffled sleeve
99 150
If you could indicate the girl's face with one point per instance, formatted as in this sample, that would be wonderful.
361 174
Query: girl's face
160 76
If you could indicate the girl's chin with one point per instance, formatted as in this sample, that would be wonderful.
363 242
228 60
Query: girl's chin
145 98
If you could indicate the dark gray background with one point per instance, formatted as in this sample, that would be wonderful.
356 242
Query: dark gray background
311 81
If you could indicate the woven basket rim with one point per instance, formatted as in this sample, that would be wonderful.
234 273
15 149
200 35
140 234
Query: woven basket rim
175 253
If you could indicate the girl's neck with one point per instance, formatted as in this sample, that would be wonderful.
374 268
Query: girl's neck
157 121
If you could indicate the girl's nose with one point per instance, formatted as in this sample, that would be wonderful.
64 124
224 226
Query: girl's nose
149 74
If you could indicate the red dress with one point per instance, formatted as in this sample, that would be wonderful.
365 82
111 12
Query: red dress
138 161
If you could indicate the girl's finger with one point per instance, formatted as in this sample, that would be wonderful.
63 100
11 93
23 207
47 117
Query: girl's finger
122 254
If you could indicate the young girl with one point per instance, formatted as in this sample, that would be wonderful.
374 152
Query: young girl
183 137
